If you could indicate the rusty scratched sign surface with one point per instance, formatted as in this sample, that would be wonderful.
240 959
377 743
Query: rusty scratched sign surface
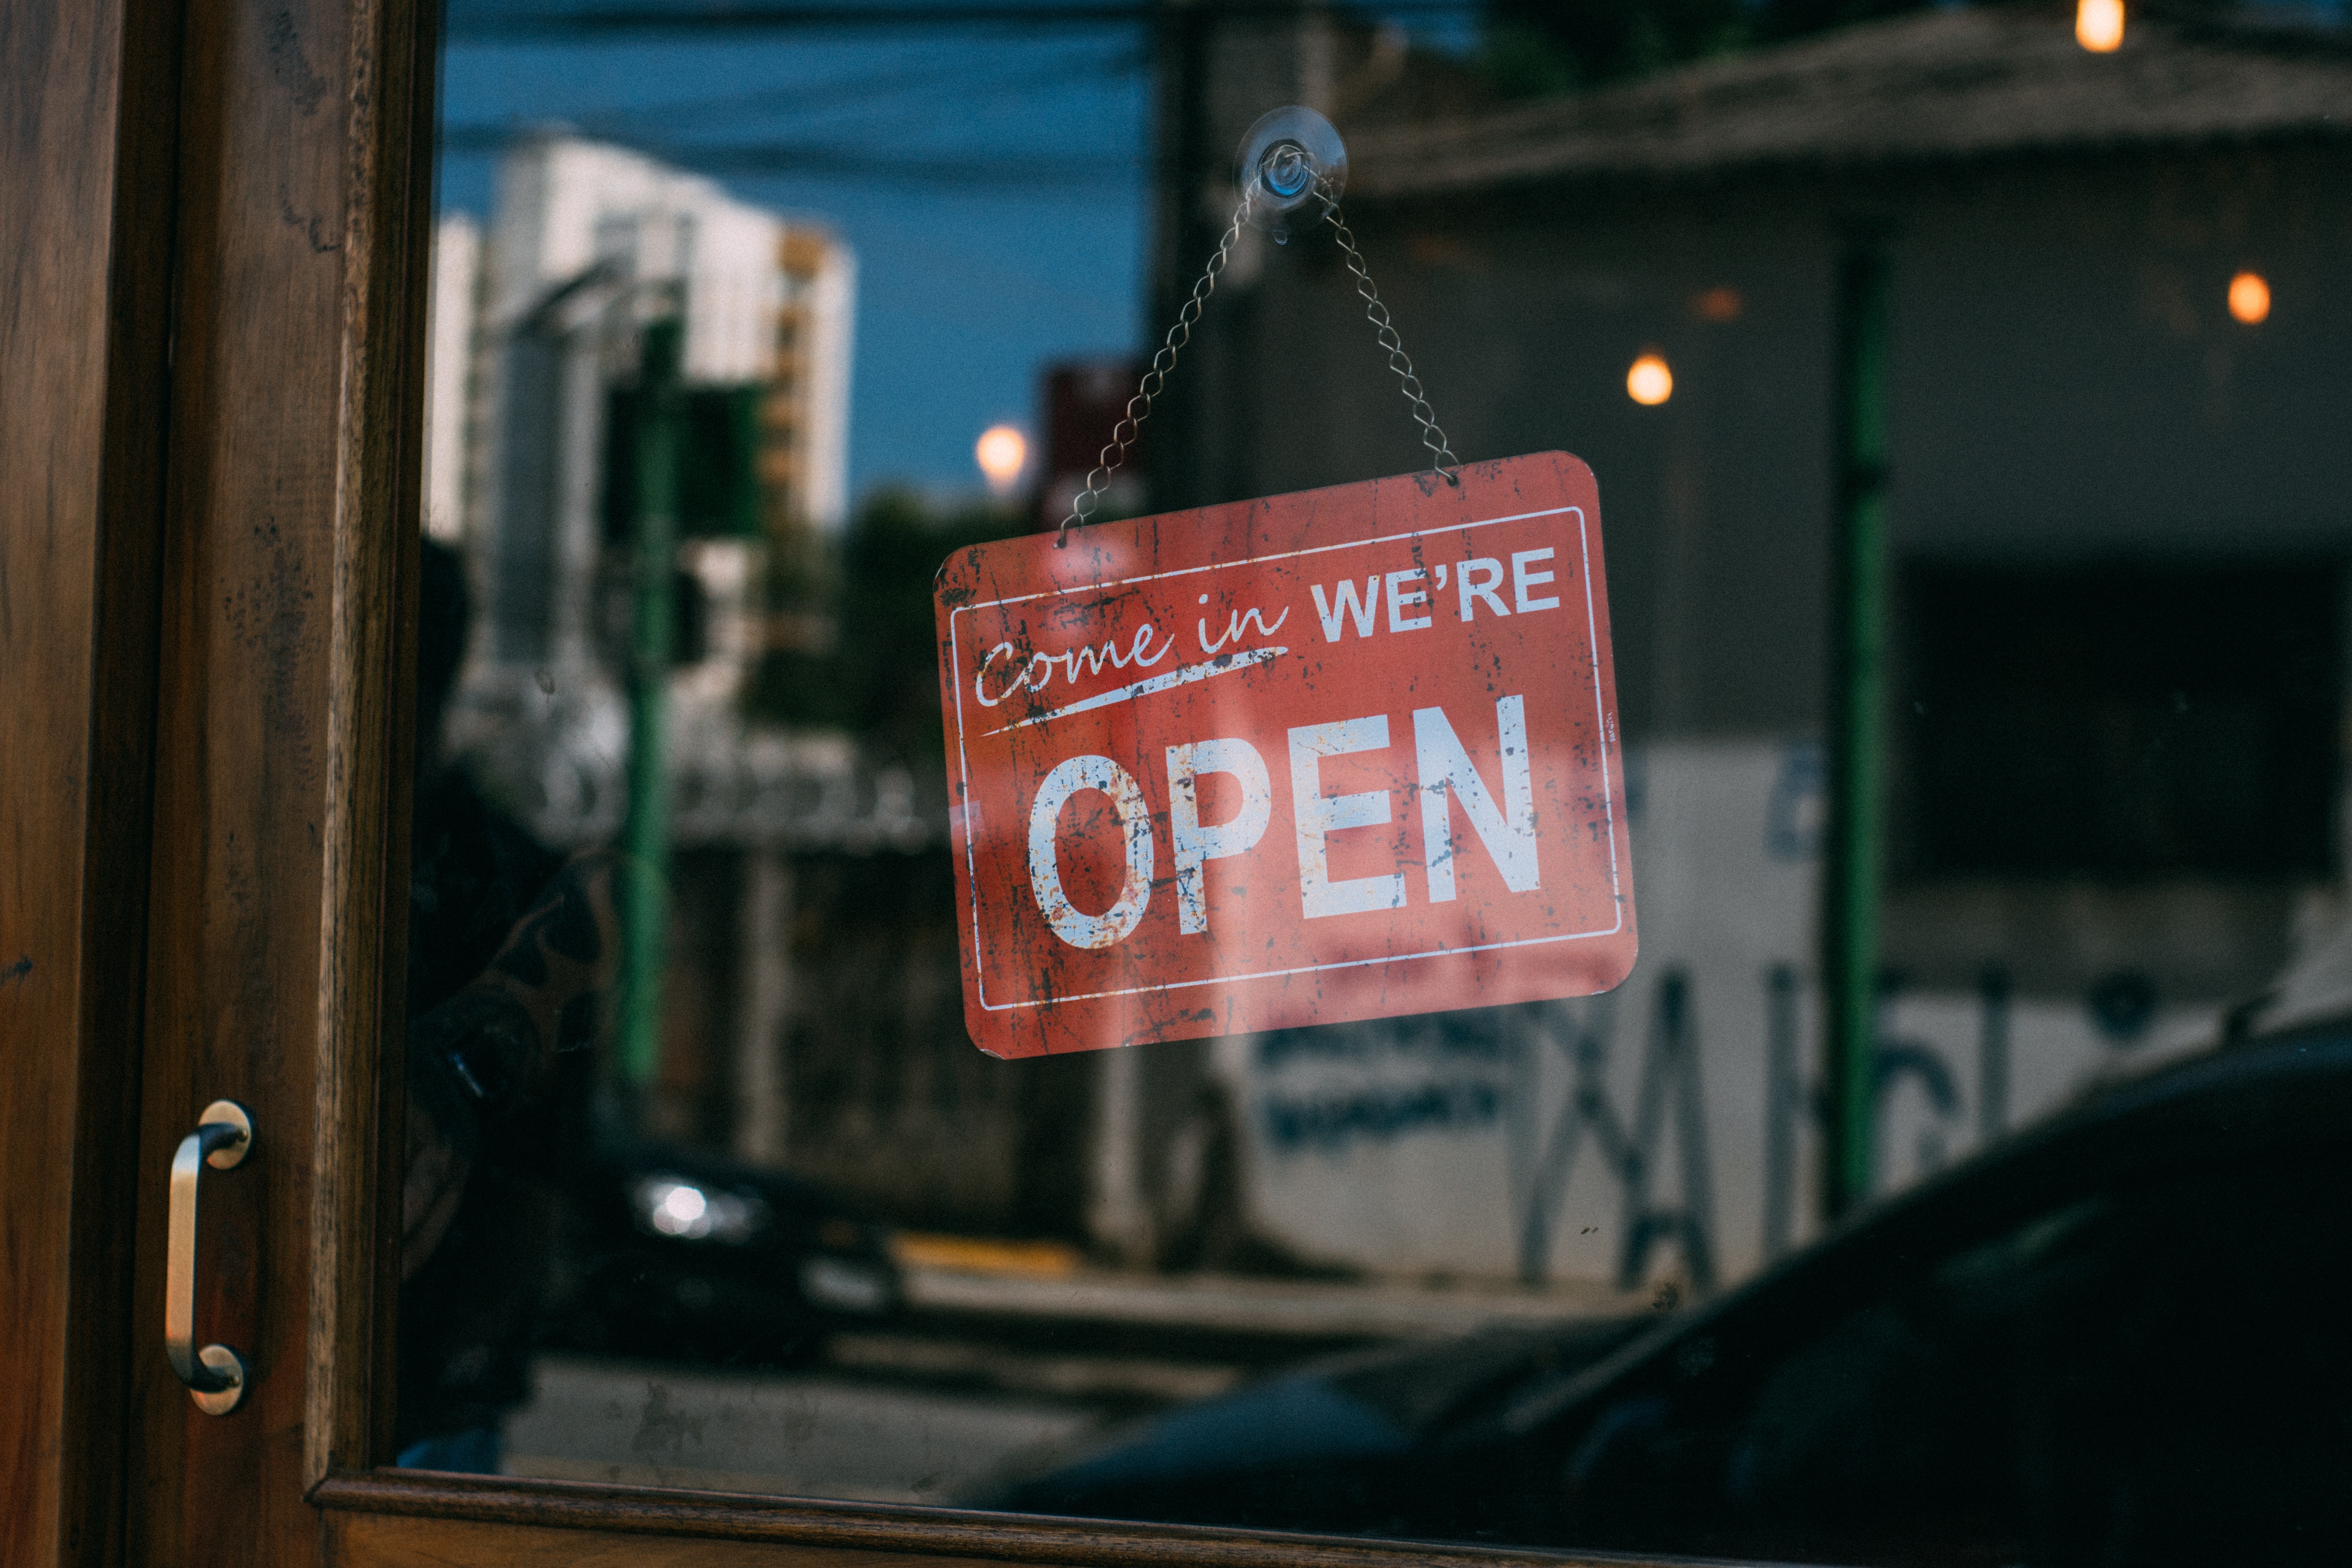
1346 753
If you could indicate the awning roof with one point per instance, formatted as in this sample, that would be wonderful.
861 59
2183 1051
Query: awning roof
1938 86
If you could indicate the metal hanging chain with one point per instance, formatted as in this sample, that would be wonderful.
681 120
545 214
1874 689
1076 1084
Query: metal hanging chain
1138 408
1155 380
1442 458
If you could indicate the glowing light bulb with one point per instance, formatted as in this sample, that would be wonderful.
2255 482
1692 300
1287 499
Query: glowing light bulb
2250 297
2099 25
1650 383
1002 452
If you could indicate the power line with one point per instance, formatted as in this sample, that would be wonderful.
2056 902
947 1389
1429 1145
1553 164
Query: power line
971 81
600 21
769 159
986 168
630 127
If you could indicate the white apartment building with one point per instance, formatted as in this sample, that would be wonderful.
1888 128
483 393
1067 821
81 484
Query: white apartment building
534 325
533 321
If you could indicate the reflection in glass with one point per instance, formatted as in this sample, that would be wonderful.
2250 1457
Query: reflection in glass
1649 382
1551 1274
2250 299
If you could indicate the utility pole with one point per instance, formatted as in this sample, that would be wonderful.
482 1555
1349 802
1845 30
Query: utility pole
646 835
1181 237
1849 872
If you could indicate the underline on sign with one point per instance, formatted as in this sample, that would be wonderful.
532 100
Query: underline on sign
1224 664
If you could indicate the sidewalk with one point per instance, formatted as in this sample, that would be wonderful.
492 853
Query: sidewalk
1238 1304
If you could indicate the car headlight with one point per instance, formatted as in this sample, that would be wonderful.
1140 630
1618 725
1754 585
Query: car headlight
684 1208
845 1285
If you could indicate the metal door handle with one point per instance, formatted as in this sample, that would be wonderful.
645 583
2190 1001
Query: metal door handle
214 1374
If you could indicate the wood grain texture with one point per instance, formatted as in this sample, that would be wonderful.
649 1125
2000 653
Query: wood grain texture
278 760
664 1523
355 1259
85 149
399 1540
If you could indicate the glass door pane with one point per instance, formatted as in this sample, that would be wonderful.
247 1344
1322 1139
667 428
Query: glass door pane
743 321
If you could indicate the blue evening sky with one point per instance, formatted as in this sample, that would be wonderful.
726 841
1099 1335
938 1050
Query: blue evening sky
966 284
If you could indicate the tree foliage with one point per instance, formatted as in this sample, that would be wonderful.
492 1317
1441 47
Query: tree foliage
877 676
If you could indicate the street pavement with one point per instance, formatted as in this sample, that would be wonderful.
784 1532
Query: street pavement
1323 1309
799 1435
987 1371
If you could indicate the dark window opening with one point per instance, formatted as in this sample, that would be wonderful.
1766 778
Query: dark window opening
2123 722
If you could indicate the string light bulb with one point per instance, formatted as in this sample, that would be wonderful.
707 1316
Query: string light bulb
2099 25
1649 382
1002 452
2250 297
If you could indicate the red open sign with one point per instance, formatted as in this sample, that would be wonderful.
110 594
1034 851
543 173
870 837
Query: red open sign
1341 754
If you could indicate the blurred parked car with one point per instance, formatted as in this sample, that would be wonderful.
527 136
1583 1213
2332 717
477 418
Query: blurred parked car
2124 1336
671 1253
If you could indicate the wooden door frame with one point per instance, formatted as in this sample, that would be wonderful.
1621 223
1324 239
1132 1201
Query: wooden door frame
87 175
303 158
238 196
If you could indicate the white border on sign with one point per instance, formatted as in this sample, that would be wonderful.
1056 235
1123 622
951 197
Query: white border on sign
1599 724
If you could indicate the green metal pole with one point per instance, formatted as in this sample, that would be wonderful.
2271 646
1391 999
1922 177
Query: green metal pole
1857 695
646 835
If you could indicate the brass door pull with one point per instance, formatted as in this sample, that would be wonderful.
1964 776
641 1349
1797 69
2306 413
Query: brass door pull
214 1374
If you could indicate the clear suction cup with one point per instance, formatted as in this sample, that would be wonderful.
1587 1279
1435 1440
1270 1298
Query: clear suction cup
1292 166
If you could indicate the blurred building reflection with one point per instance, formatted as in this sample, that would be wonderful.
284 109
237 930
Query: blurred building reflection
530 459
533 330
2118 712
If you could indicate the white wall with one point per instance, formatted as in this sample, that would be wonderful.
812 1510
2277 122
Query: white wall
1408 1147
563 205
450 314
833 322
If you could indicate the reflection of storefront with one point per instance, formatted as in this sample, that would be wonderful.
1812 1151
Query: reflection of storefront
2092 440
2033 942
530 435
1665 1128
810 1014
